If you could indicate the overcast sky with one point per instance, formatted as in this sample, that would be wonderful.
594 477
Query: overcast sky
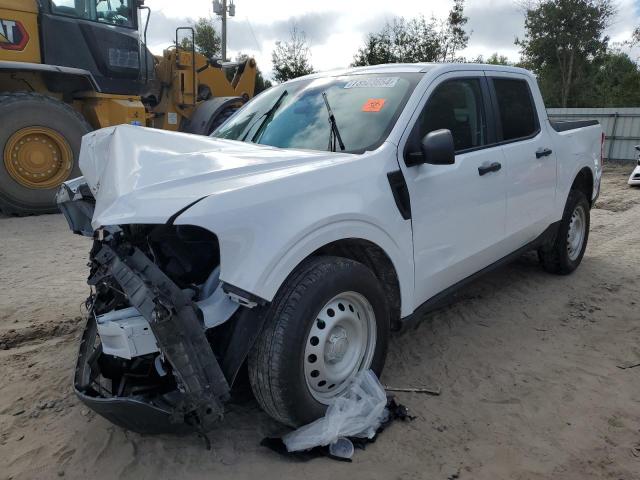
336 28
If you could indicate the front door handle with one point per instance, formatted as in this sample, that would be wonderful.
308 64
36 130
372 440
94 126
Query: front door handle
493 167
543 152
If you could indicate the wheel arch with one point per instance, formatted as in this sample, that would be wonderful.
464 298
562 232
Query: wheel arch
584 182
359 241
377 260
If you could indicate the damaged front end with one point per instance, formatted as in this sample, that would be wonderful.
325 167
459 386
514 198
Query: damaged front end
163 341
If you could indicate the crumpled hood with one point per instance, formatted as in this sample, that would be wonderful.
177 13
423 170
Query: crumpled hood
142 175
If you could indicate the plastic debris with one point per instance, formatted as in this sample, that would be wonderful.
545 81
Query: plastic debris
359 412
342 448
396 411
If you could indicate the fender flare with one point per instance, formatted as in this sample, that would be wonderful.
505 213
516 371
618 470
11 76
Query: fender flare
58 79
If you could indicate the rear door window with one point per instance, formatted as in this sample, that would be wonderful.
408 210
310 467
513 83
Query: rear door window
516 110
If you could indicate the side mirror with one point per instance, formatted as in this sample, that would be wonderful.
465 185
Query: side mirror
436 148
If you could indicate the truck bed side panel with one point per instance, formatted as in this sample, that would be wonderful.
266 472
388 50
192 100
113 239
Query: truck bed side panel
576 149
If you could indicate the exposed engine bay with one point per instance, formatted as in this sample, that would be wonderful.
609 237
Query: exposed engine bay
164 338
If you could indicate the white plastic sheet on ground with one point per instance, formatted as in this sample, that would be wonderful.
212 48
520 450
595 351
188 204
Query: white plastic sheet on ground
357 413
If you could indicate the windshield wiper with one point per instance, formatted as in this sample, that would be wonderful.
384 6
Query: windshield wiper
335 133
268 115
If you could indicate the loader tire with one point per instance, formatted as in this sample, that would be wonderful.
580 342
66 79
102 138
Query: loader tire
222 117
40 141
329 321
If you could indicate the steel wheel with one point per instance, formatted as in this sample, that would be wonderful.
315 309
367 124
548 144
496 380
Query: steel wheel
38 157
340 343
576 232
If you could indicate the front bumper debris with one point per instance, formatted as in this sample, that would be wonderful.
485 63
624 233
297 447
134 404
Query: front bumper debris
137 413
202 389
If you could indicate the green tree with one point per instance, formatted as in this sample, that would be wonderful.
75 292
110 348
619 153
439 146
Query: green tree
401 41
562 40
453 35
207 40
493 59
291 59
613 82
416 40
496 59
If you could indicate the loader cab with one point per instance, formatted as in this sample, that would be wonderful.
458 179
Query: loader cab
100 36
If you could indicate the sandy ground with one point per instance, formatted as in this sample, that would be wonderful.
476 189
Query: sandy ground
527 363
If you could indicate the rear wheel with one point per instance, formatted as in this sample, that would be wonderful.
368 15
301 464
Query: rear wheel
329 321
565 254
40 141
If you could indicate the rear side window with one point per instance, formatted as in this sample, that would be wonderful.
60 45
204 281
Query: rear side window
515 107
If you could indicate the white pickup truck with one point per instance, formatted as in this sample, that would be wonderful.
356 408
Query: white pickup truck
327 212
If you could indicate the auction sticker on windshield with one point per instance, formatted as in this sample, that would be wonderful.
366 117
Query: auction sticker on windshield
373 105
375 82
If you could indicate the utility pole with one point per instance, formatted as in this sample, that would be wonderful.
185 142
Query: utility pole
221 9
224 30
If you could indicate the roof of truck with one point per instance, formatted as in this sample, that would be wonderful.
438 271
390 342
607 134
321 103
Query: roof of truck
417 68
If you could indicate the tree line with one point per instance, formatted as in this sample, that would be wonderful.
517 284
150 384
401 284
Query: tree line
564 44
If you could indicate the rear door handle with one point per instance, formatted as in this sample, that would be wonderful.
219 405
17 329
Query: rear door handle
543 152
493 167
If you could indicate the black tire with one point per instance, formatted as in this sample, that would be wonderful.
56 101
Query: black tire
555 257
21 110
222 117
276 362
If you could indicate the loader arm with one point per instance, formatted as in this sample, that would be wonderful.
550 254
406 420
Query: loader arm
213 75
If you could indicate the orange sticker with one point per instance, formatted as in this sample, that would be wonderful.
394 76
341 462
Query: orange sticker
373 105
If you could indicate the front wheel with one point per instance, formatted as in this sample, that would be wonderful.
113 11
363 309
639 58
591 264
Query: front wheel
40 140
329 321
565 254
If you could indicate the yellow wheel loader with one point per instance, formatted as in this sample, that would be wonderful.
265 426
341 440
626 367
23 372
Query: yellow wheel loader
71 66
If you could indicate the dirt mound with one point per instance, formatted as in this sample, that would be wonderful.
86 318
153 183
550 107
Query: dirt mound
13 337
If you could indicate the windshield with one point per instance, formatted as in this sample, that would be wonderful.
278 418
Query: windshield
295 115
114 12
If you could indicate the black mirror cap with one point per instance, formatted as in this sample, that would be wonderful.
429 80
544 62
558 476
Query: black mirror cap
438 148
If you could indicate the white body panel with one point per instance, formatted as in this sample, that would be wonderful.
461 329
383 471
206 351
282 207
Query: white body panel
634 179
531 181
271 208
458 216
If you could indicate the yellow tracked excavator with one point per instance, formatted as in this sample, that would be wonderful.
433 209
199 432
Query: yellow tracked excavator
71 66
